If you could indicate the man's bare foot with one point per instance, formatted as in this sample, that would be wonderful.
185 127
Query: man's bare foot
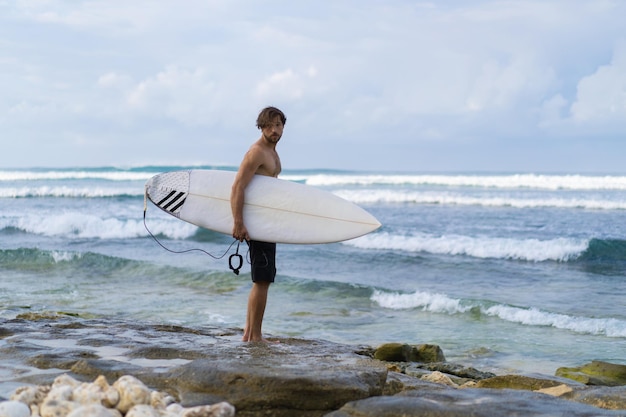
259 340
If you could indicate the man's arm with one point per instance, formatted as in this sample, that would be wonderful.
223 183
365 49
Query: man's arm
249 166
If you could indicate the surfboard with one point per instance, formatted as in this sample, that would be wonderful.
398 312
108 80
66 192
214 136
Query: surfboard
275 210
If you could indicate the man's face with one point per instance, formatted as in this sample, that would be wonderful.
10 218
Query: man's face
273 131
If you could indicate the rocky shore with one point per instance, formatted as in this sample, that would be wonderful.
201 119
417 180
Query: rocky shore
207 371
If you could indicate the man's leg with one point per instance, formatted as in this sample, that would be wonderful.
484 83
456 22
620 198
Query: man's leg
256 309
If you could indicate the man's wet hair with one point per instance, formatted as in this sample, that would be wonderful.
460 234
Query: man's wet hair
268 115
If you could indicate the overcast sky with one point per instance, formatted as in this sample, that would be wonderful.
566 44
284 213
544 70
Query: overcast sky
467 85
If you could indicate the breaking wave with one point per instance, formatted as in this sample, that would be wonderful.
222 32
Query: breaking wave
442 304
534 250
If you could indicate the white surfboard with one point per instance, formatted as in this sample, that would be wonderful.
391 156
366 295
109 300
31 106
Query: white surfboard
274 210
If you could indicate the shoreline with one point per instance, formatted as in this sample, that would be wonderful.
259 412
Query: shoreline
200 366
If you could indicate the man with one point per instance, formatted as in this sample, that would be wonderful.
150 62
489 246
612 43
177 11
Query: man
261 159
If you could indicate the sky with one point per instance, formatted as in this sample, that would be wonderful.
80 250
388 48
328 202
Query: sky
386 85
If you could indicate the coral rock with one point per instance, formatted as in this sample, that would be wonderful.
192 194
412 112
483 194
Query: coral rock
94 410
65 380
161 400
132 392
439 378
143 410
31 395
14 409
98 392
222 409
57 408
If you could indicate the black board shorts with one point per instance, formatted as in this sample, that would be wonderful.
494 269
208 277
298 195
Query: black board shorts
263 261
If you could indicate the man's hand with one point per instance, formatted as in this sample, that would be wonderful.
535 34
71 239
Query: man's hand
240 232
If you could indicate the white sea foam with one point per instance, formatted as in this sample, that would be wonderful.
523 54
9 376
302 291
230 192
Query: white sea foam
89 226
64 256
78 175
533 317
536 181
446 198
435 303
560 249
442 304
66 191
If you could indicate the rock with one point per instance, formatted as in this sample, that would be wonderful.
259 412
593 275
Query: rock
30 395
92 368
69 398
428 353
596 373
143 410
14 409
439 378
398 382
57 408
518 382
98 392
189 368
93 410
556 391
109 396
393 352
60 393
222 409
456 370
267 383
399 352
175 409
468 402
612 398
131 392
161 400
65 380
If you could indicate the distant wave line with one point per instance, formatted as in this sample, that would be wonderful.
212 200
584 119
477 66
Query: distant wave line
355 196
76 175
416 197
530 181
71 192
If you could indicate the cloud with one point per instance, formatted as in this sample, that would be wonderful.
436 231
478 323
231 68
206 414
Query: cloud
598 106
601 96
419 77
176 93
113 80
287 84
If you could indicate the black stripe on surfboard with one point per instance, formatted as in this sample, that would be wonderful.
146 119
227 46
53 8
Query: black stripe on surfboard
177 206
172 201
166 198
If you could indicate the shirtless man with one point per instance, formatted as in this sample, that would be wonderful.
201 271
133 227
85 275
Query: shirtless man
261 159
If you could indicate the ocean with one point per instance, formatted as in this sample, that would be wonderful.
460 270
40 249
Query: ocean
506 272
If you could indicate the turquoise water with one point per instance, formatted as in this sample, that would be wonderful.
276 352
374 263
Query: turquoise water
516 272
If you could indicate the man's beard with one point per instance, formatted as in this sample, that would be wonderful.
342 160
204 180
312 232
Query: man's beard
272 138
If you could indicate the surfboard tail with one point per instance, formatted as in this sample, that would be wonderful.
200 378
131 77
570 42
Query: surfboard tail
169 191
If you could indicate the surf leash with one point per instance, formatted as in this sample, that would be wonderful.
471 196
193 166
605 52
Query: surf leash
239 258
236 255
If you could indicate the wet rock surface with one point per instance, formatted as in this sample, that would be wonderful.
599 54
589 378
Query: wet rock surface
209 365
468 402
596 373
